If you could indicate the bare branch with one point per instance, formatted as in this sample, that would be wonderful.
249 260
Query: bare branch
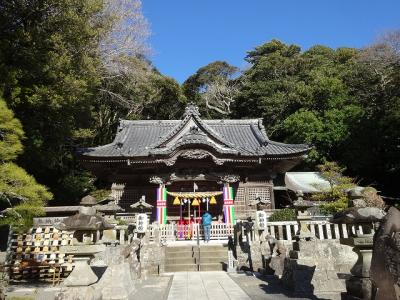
220 95
128 34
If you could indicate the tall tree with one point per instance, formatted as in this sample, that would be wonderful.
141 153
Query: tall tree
134 89
49 62
372 150
343 101
212 88
301 96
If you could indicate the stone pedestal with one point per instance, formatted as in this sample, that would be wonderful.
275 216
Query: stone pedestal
116 283
359 285
82 275
304 232
313 267
231 263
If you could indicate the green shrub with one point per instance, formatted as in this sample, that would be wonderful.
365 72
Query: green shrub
122 222
286 214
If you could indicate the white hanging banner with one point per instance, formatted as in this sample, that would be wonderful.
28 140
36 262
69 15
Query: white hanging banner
142 221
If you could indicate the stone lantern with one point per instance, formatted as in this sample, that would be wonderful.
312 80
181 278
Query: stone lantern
87 227
303 217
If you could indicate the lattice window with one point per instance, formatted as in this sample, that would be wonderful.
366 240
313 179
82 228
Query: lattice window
263 192
130 196
240 200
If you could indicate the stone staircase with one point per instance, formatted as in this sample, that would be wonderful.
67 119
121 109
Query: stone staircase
192 258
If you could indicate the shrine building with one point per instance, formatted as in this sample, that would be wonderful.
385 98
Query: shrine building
184 167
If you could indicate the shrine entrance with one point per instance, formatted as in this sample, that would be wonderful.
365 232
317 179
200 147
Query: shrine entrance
189 200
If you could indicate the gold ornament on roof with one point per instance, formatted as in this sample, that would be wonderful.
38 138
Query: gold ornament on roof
195 202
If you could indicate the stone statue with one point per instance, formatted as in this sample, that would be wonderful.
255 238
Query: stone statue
385 264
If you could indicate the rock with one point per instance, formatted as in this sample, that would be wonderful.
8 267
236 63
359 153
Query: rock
356 215
358 203
356 192
385 264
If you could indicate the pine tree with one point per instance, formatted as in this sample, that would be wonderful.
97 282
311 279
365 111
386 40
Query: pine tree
21 197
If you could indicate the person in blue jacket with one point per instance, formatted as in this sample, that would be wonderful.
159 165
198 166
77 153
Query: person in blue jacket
206 220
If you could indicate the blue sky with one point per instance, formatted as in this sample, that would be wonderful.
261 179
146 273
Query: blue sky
188 34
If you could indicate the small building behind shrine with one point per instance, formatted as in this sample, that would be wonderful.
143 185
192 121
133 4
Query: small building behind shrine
184 167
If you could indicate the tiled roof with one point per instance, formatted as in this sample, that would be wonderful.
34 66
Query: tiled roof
161 137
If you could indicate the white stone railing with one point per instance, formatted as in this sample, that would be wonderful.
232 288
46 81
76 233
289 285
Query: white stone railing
323 230
175 232
286 231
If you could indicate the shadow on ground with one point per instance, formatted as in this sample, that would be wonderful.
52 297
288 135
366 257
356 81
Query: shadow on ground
259 286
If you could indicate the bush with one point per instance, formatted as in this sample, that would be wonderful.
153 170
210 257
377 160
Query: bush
286 214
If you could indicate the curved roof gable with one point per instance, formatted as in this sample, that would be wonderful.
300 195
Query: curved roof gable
161 137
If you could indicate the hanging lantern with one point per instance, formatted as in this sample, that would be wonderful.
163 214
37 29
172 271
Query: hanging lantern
195 202
213 200
176 201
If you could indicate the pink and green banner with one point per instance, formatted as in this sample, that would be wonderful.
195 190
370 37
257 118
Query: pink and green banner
162 205
229 208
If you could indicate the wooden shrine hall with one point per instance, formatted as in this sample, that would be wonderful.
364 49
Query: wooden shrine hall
184 167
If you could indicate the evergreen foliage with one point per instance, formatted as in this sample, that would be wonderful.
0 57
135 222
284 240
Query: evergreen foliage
286 214
336 198
20 194
343 101
70 69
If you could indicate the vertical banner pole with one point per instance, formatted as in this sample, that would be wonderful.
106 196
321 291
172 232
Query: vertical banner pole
162 205
229 209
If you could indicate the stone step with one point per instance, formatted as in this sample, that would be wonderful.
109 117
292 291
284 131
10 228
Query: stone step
213 248
180 260
212 266
207 260
180 267
179 249
222 253
179 254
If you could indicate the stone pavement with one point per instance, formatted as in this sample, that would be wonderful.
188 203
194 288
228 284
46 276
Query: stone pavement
205 286
153 288
268 287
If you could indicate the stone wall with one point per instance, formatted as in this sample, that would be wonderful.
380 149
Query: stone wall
258 256
273 257
318 266
152 256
